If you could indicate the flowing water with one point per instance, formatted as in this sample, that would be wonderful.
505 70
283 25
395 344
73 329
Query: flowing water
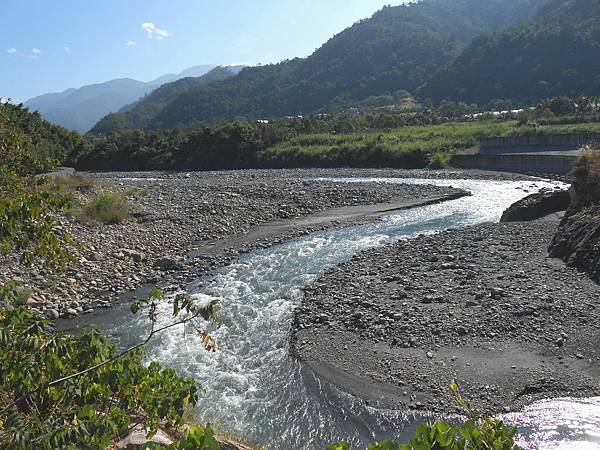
252 386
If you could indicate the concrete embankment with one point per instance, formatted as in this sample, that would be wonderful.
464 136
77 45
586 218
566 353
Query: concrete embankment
550 163
541 155
536 143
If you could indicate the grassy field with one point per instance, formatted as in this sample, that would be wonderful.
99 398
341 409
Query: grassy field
577 128
406 147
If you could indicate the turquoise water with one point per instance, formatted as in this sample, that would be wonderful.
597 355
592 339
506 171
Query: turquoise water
255 389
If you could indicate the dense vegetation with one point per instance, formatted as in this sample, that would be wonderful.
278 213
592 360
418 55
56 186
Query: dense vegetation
395 50
59 390
299 143
408 147
427 137
42 144
555 53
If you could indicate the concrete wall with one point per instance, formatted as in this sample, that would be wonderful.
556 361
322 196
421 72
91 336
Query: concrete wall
529 164
535 143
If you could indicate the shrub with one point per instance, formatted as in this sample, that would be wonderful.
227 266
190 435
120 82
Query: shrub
44 404
136 191
586 176
59 390
478 432
15 292
107 207
439 160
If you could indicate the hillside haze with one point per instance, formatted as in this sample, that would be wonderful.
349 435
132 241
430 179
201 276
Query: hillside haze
398 48
79 109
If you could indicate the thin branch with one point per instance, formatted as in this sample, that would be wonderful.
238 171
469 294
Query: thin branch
124 352
153 332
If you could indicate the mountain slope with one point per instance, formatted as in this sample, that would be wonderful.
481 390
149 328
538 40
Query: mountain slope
79 109
140 114
555 53
396 49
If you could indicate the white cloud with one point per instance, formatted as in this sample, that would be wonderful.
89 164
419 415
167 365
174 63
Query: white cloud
130 43
153 32
35 53
68 49
11 50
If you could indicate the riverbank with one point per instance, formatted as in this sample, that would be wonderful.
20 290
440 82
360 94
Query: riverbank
188 223
482 304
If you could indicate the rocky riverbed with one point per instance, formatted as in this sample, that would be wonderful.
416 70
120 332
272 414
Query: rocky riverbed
484 305
179 218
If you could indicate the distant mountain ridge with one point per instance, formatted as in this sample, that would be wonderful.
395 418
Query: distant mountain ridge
139 114
79 109
398 48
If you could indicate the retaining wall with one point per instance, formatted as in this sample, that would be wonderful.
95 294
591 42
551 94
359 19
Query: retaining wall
528 164
535 143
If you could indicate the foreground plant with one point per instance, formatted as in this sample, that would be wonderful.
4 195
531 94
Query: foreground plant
478 432
26 206
62 391
76 391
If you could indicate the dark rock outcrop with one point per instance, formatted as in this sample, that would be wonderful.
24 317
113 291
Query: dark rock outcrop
577 241
537 205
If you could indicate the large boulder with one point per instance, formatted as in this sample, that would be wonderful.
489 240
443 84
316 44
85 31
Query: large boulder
577 241
535 206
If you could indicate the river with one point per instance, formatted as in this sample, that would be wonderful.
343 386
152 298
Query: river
254 389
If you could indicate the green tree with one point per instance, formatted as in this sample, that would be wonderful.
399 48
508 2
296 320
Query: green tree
73 391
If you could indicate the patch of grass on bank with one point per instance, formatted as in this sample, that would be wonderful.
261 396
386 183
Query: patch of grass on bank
107 207
70 186
406 147
535 129
136 191
439 160
15 292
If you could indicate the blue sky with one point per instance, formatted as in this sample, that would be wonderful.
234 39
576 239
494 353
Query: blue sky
51 45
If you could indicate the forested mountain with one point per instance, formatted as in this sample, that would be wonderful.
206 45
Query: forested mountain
47 144
139 114
396 49
79 109
555 53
